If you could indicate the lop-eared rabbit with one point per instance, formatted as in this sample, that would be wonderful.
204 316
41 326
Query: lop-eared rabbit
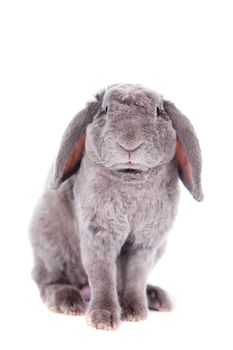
102 222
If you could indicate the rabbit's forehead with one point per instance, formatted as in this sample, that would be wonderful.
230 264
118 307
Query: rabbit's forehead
132 95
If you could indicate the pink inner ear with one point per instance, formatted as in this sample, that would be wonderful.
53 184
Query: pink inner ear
74 157
184 166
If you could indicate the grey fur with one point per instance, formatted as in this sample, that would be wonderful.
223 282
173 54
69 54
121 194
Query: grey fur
191 145
106 225
73 132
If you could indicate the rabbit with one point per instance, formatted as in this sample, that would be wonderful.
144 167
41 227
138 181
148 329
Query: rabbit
103 219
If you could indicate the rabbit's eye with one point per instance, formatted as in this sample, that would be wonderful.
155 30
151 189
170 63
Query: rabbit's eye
159 112
106 109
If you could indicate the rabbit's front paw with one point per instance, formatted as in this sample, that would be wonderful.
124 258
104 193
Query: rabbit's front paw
133 310
103 319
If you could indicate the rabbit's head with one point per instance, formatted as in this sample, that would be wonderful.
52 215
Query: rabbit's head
129 133
132 129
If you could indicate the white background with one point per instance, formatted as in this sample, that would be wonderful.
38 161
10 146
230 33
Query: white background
54 56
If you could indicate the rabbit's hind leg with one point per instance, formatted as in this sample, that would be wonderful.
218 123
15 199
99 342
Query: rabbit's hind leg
57 292
64 298
158 299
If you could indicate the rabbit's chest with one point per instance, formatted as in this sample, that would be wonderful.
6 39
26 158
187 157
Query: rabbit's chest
142 210
150 215
145 208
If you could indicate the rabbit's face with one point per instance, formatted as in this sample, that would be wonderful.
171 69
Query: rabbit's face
131 130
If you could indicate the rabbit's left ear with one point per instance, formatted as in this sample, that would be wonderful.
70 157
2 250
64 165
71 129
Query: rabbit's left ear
188 152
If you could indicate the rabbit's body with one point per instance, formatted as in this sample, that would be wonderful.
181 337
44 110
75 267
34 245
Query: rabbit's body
106 226
130 203
135 209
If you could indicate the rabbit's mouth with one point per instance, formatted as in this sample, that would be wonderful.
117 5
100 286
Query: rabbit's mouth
129 167
131 171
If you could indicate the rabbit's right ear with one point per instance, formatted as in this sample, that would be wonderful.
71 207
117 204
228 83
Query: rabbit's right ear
73 143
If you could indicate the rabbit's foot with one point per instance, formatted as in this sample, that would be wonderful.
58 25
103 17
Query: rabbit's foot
64 299
133 310
158 299
103 319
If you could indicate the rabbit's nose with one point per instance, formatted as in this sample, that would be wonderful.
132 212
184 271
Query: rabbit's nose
129 149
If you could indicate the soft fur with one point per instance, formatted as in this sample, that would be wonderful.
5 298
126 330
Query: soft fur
113 197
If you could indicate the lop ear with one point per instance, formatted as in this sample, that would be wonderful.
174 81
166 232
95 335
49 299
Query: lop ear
73 143
188 152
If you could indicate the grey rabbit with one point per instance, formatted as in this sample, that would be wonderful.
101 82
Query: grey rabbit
112 196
